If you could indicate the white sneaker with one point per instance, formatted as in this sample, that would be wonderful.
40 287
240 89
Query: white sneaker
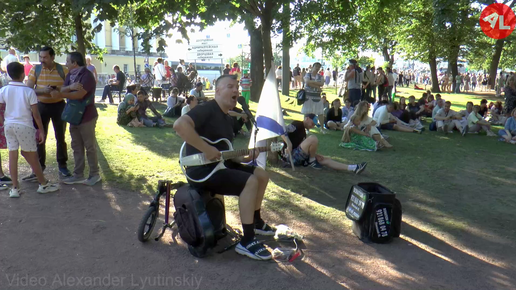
4 187
49 187
14 192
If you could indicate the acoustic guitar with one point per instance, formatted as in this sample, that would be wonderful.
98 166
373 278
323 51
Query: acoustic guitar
199 159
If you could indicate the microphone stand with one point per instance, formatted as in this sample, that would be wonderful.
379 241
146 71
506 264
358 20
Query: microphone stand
253 121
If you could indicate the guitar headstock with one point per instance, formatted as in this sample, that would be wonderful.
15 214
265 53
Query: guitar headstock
277 146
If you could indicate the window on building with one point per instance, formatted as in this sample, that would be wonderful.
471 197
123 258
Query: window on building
126 68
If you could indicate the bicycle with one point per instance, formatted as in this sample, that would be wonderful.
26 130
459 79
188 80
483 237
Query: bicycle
150 217
148 222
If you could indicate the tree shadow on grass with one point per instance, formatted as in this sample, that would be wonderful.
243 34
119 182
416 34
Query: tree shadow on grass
101 106
121 178
469 237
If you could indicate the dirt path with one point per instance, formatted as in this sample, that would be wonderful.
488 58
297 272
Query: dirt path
85 238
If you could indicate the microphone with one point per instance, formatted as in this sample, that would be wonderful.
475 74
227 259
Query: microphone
245 107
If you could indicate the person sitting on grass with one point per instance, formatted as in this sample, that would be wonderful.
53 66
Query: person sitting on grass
143 104
439 105
403 103
416 109
326 104
497 114
191 102
21 109
304 149
448 119
385 120
334 116
347 111
175 103
147 80
439 97
430 104
402 115
483 108
240 119
360 133
127 115
465 114
508 133
477 123
384 99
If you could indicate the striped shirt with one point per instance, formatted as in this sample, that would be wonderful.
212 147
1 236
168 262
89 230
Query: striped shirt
48 78
245 83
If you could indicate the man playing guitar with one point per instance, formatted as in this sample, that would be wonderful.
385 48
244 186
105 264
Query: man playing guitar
212 121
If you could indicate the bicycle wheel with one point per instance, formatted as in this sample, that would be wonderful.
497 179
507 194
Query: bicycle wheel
147 224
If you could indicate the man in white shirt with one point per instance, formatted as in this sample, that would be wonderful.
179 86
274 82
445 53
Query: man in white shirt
198 93
160 73
440 105
385 121
448 119
465 114
11 57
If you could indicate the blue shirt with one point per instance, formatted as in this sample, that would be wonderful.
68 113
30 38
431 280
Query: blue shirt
510 124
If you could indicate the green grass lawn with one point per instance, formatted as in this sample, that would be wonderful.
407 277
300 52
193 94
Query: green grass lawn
461 186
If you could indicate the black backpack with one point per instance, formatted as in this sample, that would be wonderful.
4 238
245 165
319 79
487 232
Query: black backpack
375 212
200 219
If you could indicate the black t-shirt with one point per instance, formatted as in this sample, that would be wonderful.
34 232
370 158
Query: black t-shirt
330 116
296 133
226 71
414 108
120 76
483 112
212 123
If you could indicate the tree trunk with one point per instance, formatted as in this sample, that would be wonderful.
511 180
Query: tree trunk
256 62
433 72
81 47
452 64
266 38
285 84
385 53
495 60
133 38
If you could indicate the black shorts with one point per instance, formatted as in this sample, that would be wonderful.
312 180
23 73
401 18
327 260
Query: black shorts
388 126
229 181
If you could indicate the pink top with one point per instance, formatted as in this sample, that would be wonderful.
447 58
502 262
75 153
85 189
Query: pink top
27 68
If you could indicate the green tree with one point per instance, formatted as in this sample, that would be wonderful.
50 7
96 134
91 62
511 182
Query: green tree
64 25
419 38
456 22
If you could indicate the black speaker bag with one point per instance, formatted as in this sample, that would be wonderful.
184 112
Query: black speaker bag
375 212
193 221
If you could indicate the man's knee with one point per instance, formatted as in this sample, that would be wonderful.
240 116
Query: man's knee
312 139
252 183
261 175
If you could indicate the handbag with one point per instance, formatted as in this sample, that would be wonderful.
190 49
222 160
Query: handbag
74 110
301 97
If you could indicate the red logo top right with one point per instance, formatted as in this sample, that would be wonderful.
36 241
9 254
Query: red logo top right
497 21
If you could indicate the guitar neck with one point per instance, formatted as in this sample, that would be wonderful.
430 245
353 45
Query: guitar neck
242 152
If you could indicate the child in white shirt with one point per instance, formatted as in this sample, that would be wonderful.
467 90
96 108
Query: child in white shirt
21 106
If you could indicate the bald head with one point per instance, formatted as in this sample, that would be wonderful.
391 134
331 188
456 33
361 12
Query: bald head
226 92
12 51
